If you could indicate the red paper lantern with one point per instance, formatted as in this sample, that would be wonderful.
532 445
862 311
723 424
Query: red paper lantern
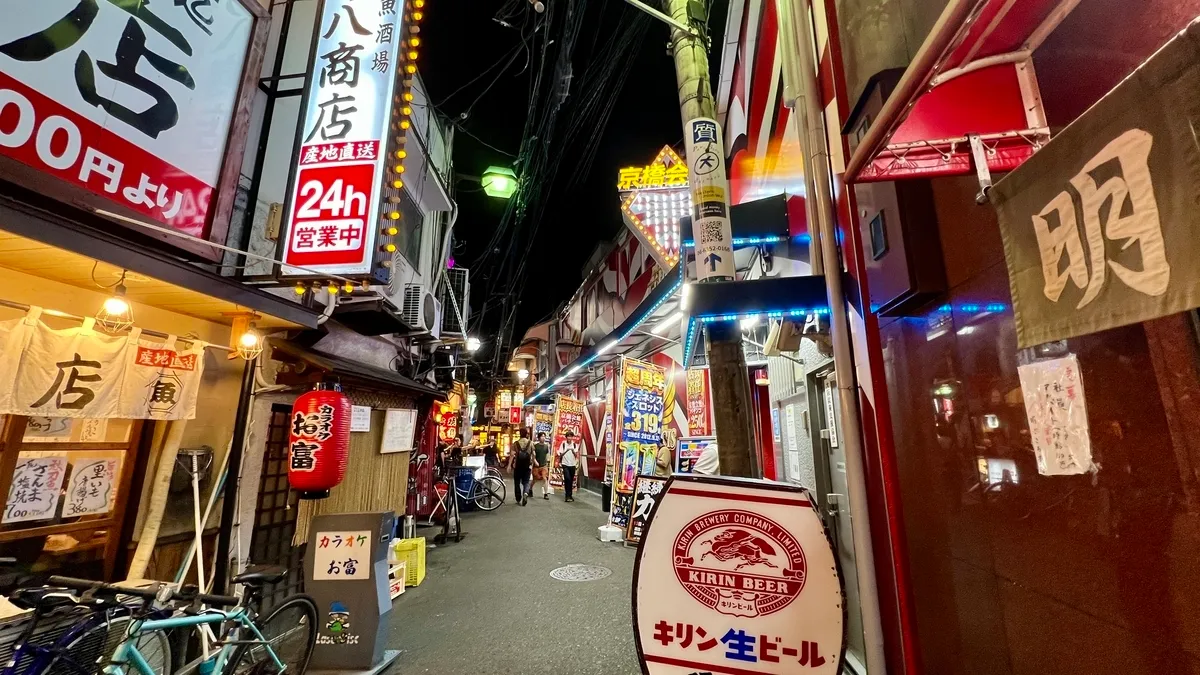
319 442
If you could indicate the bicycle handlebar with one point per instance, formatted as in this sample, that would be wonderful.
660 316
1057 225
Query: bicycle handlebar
146 593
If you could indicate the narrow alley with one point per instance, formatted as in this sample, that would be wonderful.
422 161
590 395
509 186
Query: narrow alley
489 604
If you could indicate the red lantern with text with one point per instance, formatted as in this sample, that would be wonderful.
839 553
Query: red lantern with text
319 442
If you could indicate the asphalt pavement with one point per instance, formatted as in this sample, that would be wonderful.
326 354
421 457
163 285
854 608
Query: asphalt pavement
489 606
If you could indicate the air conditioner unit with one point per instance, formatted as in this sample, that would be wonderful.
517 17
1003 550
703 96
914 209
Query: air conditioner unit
421 311
456 290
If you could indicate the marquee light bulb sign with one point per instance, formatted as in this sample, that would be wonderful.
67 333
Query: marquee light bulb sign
654 198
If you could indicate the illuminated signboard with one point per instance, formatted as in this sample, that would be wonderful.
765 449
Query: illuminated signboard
335 203
653 200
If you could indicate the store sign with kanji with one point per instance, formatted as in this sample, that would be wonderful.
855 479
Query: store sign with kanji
642 390
342 556
736 576
130 101
83 373
568 416
334 210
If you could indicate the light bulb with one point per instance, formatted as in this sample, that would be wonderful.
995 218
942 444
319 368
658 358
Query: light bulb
116 306
249 339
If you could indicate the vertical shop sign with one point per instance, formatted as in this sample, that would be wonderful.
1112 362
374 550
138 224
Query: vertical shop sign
642 387
645 496
568 416
36 485
514 416
339 174
128 101
710 200
1057 410
699 415
737 576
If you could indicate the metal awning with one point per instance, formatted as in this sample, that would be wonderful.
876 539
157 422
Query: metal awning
347 371
971 88
659 305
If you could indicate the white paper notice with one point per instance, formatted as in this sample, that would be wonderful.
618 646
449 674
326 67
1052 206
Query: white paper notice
36 484
342 556
360 418
1057 411
399 426
93 431
92 487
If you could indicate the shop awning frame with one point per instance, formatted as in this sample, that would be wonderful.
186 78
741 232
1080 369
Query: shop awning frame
660 303
351 372
971 83
88 234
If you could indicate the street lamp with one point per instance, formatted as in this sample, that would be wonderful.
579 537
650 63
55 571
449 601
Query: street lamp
522 374
499 181
473 344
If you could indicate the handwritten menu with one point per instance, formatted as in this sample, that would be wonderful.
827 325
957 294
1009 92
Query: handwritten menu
399 427
36 485
1057 411
92 487
342 556
47 429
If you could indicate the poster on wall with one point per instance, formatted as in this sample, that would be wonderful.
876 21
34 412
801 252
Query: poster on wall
84 373
1057 411
645 496
36 485
737 576
690 450
711 234
399 430
543 421
641 389
92 487
699 415
568 416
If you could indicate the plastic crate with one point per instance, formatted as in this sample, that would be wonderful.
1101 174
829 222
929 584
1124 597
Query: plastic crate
412 552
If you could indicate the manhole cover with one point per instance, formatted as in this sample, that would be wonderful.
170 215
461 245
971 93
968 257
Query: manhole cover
580 573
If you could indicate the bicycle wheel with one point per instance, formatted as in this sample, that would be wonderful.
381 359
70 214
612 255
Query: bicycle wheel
489 493
291 631
94 647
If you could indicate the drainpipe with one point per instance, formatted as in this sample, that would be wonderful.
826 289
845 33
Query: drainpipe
816 164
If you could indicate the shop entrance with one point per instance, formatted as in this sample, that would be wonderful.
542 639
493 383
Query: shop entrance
829 457
275 513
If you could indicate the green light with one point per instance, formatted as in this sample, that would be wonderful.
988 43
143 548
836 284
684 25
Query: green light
499 182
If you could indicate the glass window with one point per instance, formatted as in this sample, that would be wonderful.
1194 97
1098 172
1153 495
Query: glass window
412 219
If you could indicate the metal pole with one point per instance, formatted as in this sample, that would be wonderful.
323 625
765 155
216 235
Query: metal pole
816 162
234 478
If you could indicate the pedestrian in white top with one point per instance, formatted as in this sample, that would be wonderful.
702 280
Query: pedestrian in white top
568 459
708 463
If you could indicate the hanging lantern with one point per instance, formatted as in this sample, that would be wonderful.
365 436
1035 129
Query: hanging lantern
319 441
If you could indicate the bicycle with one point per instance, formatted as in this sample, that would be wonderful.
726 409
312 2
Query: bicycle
69 633
293 622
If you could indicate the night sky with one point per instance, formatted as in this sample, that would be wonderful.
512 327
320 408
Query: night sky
461 40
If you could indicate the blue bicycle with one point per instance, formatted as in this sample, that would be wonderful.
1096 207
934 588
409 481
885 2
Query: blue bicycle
282 642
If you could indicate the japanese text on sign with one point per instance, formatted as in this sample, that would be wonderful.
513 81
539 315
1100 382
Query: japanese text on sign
333 214
1057 411
134 107
92 487
667 170
342 556
36 485
311 430
710 200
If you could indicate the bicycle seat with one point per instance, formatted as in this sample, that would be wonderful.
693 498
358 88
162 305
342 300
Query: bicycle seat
259 575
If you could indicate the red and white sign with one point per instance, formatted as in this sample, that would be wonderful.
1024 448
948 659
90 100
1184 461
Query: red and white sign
737 576
334 212
134 104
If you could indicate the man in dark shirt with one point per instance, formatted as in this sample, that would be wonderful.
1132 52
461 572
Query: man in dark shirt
522 463
541 453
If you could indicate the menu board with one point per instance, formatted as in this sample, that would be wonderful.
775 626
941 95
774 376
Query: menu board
36 486
399 428
92 488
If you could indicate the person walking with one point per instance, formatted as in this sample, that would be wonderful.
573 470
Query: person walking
521 464
568 459
491 456
541 472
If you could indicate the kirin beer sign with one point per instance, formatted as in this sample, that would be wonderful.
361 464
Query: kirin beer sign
737 576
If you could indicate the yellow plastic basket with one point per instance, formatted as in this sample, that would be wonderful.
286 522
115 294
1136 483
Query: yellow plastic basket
412 551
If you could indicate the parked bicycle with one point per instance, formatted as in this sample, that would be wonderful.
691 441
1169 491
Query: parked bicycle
282 642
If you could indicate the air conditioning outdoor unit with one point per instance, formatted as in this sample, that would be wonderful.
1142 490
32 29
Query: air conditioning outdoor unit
422 311
456 290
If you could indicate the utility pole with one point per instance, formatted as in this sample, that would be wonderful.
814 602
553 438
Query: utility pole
732 412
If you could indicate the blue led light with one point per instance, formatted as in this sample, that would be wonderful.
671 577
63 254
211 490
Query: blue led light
744 241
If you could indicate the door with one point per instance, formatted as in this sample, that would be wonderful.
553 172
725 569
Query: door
275 513
829 455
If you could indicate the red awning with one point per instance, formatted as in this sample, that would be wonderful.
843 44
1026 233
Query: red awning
973 77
